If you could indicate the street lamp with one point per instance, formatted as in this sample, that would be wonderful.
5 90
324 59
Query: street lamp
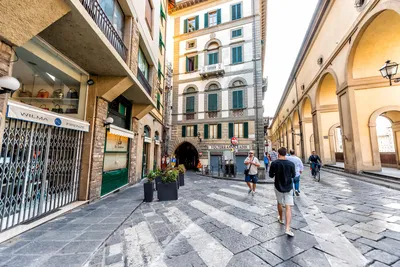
389 70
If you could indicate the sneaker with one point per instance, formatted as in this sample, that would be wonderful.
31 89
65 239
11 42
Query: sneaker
280 221
289 233
297 193
249 191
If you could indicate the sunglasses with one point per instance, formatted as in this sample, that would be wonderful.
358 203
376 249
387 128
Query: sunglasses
251 153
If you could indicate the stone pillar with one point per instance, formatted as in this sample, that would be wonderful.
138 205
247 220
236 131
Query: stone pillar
134 154
5 70
98 149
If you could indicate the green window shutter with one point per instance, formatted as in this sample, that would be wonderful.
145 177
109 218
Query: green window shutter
162 13
235 99
239 54
196 62
246 130
206 20
230 130
205 131
212 102
190 104
234 55
195 130
219 16
210 59
183 131
187 64
219 134
239 11
197 22
239 99
185 26
233 12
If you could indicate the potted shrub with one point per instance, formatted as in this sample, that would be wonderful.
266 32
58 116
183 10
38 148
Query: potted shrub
157 178
167 189
182 170
149 187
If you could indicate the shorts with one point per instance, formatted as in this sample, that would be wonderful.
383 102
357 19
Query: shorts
251 179
285 198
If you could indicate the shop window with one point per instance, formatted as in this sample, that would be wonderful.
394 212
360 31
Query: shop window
58 89
115 14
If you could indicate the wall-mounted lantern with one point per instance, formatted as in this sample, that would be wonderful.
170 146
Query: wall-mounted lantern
389 70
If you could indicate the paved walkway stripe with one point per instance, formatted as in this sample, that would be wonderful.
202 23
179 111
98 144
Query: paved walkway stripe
259 197
329 237
239 204
142 249
228 219
267 193
210 250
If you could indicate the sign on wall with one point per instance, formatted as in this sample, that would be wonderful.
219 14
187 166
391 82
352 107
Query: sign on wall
116 143
221 147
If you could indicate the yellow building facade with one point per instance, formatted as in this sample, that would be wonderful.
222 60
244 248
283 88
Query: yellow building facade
335 92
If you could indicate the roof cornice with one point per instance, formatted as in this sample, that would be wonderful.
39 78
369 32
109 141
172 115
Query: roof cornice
185 4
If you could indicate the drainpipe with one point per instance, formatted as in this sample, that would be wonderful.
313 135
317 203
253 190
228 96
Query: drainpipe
255 77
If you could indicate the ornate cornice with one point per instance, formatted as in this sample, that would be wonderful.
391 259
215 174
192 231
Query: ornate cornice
185 4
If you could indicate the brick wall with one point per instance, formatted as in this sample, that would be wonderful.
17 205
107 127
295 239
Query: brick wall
5 58
98 149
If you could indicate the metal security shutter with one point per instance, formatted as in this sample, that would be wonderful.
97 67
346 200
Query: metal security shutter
240 164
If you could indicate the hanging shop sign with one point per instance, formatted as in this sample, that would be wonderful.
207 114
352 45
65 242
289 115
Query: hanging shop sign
219 147
20 111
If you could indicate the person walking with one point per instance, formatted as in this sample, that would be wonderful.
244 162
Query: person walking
299 170
284 171
250 172
273 155
266 162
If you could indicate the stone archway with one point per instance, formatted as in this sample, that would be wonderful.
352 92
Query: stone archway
187 154
393 114
335 151
307 126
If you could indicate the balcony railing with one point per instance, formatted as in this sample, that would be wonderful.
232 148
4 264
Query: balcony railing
99 16
214 69
142 79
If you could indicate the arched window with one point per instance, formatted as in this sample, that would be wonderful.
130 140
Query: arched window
238 94
238 83
213 52
146 131
213 86
190 90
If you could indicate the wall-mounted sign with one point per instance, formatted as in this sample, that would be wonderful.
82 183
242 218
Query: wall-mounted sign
147 139
116 143
220 147
20 111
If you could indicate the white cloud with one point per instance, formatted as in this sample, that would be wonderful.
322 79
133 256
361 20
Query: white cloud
287 23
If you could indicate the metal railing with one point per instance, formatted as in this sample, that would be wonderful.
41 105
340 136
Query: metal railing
99 16
142 79
217 69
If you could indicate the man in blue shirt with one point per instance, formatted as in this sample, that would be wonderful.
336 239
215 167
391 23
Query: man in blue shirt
299 169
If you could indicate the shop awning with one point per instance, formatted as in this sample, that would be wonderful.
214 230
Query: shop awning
120 131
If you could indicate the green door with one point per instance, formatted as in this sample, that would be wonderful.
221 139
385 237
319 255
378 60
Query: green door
113 180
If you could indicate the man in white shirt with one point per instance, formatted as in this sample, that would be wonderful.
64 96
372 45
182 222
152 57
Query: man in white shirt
299 169
252 165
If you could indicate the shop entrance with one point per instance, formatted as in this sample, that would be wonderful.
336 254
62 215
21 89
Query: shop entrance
146 152
187 154
39 166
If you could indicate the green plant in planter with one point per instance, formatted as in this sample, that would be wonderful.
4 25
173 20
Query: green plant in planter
152 175
170 177
181 168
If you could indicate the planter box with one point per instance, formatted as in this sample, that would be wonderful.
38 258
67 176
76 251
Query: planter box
167 192
158 180
181 179
177 182
148 189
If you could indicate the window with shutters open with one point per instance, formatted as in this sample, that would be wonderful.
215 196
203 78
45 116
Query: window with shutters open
212 102
191 24
190 104
237 56
190 131
237 99
236 11
192 63
241 130
212 18
213 131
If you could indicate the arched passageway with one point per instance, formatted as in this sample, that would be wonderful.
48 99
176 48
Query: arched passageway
296 134
327 114
187 154
336 143
289 144
307 127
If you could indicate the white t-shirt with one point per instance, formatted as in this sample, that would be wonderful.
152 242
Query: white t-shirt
253 168
297 163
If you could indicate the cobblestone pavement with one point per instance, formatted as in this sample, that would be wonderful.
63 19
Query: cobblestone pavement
337 222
